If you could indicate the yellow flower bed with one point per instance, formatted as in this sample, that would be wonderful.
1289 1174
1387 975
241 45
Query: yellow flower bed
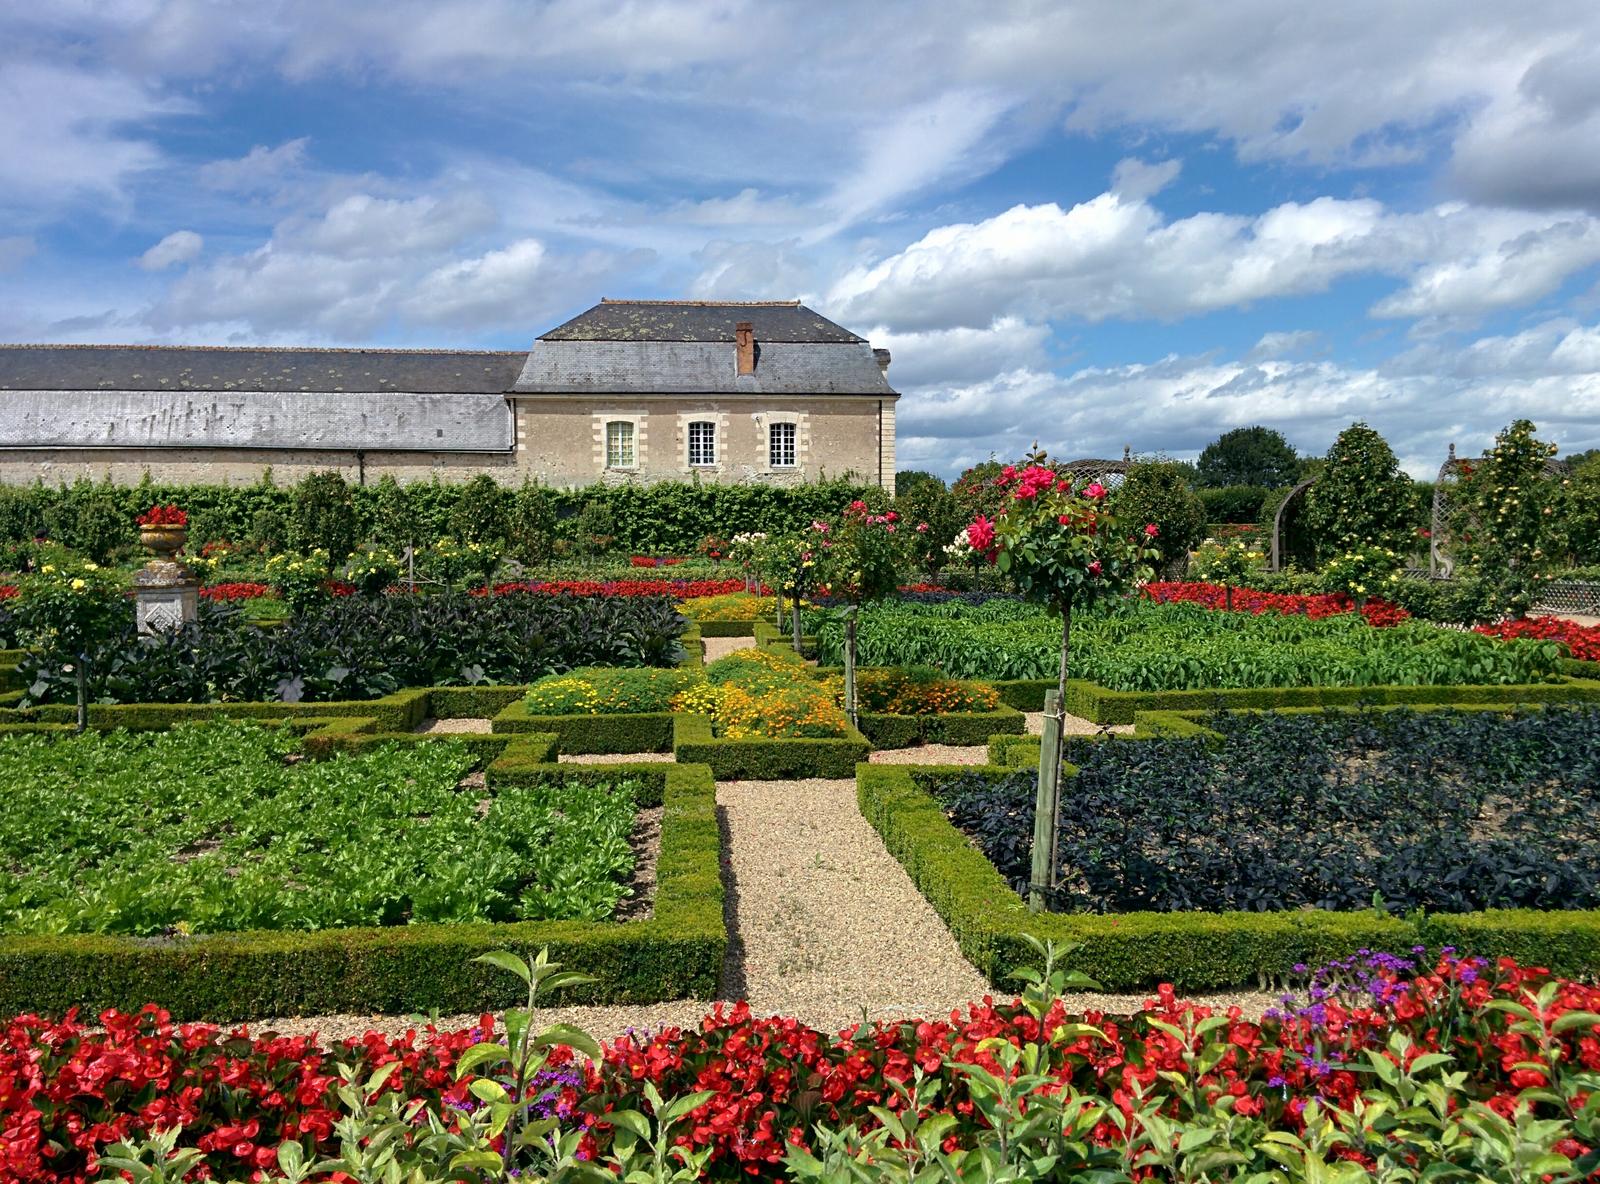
765 694
736 606
606 691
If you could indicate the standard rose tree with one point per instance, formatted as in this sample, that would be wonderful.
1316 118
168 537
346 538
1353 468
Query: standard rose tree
1065 548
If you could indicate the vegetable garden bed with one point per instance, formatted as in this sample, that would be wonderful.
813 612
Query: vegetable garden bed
425 964
1140 647
1542 853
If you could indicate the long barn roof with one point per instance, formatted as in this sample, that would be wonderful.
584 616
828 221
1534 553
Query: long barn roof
222 369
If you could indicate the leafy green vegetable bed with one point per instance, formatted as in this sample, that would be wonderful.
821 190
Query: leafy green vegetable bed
218 827
1449 811
1138 646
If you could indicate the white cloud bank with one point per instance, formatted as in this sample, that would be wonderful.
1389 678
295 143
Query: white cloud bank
1117 257
181 246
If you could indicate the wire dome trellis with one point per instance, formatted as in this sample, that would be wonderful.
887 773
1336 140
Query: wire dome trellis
1110 473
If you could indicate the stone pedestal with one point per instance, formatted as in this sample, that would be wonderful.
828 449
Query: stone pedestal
166 594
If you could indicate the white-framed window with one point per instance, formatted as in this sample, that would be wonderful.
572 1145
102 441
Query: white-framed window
702 442
781 446
620 451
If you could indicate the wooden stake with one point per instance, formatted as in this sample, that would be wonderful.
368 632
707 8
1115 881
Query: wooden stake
1046 804
850 664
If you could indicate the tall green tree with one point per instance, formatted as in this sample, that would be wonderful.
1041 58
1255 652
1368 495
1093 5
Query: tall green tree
1248 456
1160 494
323 515
1505 521
1361 498
480 511
909 481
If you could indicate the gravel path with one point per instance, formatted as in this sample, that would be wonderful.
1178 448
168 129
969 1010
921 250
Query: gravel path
1072 725
477 727
829 922
721 647
932 754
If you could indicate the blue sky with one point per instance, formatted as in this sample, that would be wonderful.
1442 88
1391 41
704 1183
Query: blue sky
1083 224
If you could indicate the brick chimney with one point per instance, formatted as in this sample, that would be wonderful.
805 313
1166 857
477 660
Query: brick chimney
744 344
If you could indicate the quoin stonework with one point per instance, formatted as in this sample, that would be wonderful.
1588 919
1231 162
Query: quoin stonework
631 390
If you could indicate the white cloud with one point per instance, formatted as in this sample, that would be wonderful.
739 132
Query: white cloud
261 168
484 286
1283 344
1134 178
64 132
752 270
363 225
961 355
1116 257
912 149
181 246
1504 262
1533 144
1421 401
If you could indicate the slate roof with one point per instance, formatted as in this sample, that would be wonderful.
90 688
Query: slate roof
201 368
700 320
700 367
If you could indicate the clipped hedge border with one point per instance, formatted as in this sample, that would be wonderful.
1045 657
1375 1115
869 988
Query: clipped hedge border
762 759
1193 951
400 711
676 954
769 635
954 727
728 628
645 731
1099 705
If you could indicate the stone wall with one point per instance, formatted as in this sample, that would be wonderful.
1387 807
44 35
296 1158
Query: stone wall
560 440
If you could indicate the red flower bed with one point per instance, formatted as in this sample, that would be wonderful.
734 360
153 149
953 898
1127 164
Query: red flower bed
65 1094
1247 600
1582 641
243 590
163 516
7 591
652 561
682 589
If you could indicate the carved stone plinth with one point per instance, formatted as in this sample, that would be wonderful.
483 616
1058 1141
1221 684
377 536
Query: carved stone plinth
166 596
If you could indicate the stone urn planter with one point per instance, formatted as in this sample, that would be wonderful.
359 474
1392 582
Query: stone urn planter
164 541
165 592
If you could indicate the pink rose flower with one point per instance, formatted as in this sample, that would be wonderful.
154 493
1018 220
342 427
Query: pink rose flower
1152 530
1095 490
1094 568
981 534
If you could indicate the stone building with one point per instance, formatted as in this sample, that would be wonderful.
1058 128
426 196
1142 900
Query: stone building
765 391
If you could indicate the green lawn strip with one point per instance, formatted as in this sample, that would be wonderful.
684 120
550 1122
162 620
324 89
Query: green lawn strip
676 953
1193 951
